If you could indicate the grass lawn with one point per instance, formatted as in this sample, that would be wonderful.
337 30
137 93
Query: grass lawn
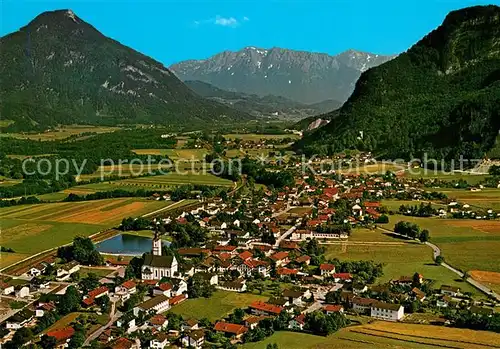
400 260
63 322
100 272
466 244
216 307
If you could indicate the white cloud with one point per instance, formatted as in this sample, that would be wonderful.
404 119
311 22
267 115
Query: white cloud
226 21
230 22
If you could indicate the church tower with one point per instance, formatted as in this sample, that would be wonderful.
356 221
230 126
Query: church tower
156 244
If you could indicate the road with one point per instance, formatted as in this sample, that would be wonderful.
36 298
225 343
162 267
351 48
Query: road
114 315
284 235
163 209
436 251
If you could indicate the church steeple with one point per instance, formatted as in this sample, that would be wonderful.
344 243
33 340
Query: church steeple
156 244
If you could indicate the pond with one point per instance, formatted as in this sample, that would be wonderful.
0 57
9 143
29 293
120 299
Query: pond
126 244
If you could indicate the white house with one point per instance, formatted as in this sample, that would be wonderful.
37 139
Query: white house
158 304
387 311
6 288
159 341
22 291
193 339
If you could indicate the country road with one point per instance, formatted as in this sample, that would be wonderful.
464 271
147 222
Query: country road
114 315
436 251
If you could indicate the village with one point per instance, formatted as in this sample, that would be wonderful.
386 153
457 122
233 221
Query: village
268 244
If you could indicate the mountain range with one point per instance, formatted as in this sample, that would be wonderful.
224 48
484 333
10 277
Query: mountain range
59 69
300 76
265 106
440 98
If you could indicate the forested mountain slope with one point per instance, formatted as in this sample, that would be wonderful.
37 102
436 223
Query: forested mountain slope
60 70
441 97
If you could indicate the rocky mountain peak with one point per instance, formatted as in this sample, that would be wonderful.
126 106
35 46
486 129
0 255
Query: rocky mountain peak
306 77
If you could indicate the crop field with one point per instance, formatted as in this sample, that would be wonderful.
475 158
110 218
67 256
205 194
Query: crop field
445 176
29 229
378 335
485 199
216 307
400 260
176 154
393 205
461 239
158 182
256 137
379 167
61 133
489 278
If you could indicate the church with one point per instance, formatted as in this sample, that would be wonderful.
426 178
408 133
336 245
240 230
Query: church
156 266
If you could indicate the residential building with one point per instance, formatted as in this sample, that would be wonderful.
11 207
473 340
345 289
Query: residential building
387 311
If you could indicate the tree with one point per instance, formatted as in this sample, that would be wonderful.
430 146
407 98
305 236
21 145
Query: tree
424 236
439 260
333 297
21 336
198 286
89 283
47 342
383 219
77 340
70 301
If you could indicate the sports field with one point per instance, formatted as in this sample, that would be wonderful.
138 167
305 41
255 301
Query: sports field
216 307
400 258
466 244
384 335
29 229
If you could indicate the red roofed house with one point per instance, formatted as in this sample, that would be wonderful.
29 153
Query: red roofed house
329 309
125 290
178 299
99 292
262 308
332 193
158 321
282 272
346 277
327 269
226 248
372 204
231 330
165 288
303 260
298 322
62 336
281 258
245 255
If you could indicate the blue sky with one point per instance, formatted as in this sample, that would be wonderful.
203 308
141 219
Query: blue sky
171 31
